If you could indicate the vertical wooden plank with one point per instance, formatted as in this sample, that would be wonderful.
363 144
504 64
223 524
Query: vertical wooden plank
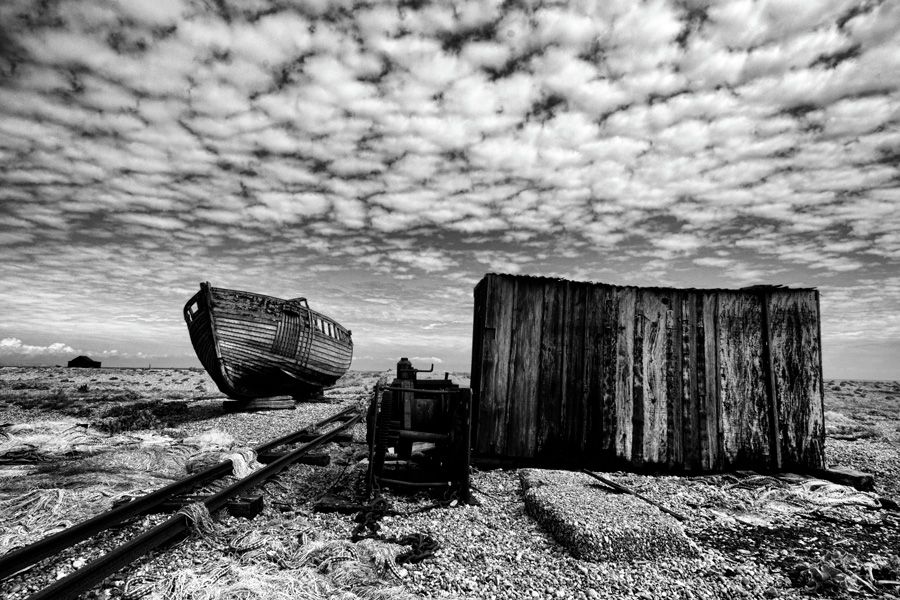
771 395
674 342
624 403
563 366
821 383
637 382
549 441
574 365
592 387
492 411
475 376
710 309
525 353
795 357
653 354
695 440
745 417
610 336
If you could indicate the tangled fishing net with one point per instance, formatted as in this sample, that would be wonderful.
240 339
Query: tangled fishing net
243 461
264 567
212 447
803 493
242 582
62 472
822 493
42 441
212 440
73 455
285 560
760 500
69 447
29 517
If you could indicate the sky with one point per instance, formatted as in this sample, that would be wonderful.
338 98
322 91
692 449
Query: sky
379 158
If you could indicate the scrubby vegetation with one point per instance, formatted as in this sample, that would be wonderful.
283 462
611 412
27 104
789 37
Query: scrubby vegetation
141 415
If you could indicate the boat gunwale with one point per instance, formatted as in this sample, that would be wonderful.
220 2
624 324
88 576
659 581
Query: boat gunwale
312 311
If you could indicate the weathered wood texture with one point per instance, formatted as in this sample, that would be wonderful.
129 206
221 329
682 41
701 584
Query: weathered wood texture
745 418
521 436
254 345
795 351
494 366
582 374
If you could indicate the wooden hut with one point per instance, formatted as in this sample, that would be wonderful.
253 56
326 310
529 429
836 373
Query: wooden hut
569 373
84 362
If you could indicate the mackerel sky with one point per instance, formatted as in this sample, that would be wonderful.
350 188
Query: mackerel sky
379 158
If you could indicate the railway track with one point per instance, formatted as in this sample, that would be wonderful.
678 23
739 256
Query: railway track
174 528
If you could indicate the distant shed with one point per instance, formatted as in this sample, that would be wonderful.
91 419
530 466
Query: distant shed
84 362
568 373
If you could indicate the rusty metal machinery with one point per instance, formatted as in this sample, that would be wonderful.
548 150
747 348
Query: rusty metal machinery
418 433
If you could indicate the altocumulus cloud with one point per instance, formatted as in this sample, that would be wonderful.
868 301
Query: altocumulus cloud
348 149
14 346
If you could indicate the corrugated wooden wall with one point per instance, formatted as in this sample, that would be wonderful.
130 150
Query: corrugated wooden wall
573 373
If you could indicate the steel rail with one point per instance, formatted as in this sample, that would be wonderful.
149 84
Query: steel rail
16 560
438 392
174 528
293 437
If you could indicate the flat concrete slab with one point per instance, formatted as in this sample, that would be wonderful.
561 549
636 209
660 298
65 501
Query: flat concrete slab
595 523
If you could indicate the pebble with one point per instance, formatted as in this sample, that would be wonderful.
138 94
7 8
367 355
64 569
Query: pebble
492 551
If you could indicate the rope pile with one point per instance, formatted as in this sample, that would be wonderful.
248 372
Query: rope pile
422 546
243 461
199 518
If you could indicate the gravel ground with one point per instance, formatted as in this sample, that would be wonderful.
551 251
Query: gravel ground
870 440
79 475
49 570
495 550
752 533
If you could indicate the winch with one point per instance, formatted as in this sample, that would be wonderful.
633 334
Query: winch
418 433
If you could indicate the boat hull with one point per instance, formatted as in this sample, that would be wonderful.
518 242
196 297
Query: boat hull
257 346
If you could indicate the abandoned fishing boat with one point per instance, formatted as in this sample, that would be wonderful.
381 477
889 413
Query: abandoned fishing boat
257 346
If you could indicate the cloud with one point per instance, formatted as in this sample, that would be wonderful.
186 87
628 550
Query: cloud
409 147
15 347
432 359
